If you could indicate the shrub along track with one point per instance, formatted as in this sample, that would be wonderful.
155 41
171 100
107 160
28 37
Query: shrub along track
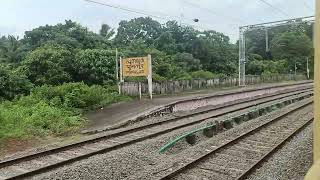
239 156
46 160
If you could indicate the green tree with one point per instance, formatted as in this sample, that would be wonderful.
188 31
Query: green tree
294 46
144 28
49 64
256 39
136 48
95 66
166 42
201 74
164 70
70 35
13 83
187 62
106 31
259 67
11 50
215 52
183 36
291 44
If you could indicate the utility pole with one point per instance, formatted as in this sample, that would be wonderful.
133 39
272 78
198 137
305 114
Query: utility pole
117 71
263 26
308 71
295 68
121 76
267 40
242 57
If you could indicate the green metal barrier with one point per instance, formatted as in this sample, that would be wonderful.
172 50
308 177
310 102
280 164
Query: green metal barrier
229 119
174 141
171 143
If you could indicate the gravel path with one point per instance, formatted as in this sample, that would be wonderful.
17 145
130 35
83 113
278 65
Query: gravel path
291 162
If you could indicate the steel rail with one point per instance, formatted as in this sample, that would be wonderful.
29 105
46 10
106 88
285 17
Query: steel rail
133 129
120 145
273 150
243 135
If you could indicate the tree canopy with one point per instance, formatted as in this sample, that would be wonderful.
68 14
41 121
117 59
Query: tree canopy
70 52
289 47
55 72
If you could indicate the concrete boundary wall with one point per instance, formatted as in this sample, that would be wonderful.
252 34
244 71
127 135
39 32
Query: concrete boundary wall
170 87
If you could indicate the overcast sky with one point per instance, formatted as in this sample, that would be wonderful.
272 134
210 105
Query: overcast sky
18 16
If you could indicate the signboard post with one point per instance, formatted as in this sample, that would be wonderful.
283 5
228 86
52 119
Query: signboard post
150 76
121 76
140 93
117 72
137 66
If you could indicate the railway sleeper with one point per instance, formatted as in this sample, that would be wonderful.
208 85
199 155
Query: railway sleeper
191 139
260 112
231 122
209 132
227 124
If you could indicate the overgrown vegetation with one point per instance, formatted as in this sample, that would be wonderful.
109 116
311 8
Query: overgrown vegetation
55 72
52 110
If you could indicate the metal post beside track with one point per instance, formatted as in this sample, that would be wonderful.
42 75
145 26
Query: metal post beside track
242 57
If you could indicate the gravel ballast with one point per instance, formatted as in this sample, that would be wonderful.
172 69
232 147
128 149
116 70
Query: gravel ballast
138 161
291 162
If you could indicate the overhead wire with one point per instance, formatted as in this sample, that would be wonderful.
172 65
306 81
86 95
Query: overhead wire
153 14
150 14
200 26
307 5
213 12
274 7
233 26
125 9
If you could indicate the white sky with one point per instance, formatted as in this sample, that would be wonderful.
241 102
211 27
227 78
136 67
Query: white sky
17 16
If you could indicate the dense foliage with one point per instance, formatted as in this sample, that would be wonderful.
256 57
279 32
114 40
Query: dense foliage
95 66
52 110
54 72
289 48
13 83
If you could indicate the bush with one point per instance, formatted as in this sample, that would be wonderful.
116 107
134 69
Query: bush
187 62
184 76
95 66
77 95
202 74
21 119
49 64
13 83
260 67
53 110
158 78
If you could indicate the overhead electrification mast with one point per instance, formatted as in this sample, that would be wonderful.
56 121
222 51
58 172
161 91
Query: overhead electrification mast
265 26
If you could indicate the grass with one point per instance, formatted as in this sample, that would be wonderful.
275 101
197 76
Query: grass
52 110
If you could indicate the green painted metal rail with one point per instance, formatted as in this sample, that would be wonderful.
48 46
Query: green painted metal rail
174 141
171 143
229 119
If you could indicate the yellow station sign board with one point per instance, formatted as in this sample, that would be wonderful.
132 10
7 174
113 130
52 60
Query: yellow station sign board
137 66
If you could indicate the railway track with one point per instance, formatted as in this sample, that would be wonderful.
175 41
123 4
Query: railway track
238 157
47 160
